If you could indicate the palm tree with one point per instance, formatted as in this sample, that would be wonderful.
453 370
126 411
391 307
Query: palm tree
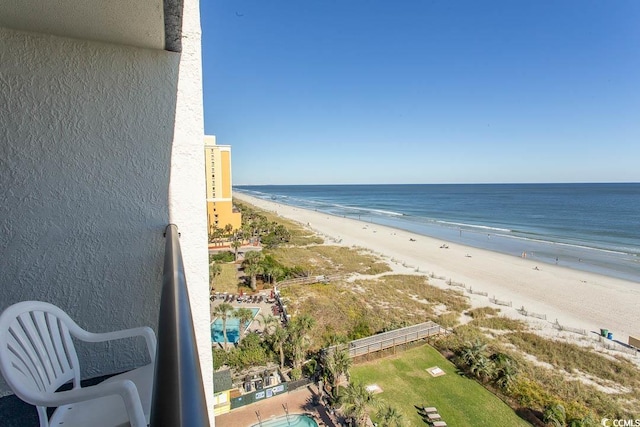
337 363
253 270
252 266
472 351
269 322
236 245
215 234
390 417
481 367
214 271
299 340
244 316
297 345
278 339
356 402
304 322
263 226
331 338
271 271
223 311
245 235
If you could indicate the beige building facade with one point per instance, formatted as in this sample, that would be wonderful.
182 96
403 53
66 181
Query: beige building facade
220 211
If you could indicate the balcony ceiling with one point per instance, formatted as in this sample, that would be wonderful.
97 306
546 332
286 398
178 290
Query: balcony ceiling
138 23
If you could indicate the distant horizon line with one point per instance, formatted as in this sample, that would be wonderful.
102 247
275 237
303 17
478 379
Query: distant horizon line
446 183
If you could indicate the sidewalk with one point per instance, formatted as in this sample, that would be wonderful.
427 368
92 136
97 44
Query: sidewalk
296 402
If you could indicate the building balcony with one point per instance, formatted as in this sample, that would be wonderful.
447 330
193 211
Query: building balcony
178 392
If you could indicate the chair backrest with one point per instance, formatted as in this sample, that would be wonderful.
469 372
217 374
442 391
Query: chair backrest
37 354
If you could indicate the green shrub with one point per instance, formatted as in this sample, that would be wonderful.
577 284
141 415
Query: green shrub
531 394
219 357
309 368
295 374
361 329
225 256
251 351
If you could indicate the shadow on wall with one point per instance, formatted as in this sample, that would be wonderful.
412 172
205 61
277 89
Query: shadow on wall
86 155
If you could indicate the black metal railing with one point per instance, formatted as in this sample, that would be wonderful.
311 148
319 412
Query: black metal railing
178 391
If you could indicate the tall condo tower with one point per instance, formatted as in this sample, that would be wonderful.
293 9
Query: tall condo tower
220 211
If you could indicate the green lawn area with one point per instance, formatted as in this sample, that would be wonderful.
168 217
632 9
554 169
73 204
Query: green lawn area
406 384
227 281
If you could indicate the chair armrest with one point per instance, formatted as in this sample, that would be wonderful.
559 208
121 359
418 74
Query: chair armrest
144 331
124 388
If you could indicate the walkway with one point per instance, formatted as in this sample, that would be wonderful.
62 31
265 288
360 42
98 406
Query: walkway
297 402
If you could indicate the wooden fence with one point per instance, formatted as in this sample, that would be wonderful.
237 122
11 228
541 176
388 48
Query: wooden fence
560 327
527 313
500 302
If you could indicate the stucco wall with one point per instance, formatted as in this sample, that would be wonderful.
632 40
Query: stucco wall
86 132
187 189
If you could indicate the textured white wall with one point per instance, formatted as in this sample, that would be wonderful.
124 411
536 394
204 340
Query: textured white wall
187 189
86 131
133 23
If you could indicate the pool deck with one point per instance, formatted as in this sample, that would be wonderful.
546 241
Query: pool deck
255 326
297 402
264 307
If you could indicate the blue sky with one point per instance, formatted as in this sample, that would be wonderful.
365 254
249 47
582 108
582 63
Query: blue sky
424 91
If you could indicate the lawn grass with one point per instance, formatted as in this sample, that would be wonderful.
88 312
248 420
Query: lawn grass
406 384
227 281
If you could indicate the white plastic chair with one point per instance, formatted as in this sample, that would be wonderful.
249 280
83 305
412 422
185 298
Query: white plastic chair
37 356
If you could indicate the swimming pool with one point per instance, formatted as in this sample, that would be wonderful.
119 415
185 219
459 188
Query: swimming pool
233 328
293 420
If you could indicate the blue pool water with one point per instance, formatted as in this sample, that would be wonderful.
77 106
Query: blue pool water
294 420
233 328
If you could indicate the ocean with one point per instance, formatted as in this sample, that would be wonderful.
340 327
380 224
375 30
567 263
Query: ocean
590 227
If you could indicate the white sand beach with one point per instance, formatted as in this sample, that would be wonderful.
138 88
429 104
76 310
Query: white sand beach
576 299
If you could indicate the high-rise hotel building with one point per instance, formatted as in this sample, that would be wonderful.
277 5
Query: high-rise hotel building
220 210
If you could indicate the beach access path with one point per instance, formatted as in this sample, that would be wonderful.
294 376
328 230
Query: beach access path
574 298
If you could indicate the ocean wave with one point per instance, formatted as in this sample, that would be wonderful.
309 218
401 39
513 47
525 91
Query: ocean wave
525 236
378 211
581 246
474 226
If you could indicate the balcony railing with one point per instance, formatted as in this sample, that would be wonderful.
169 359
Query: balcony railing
178 391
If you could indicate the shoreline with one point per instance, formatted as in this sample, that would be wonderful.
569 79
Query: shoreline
566 251
575 298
